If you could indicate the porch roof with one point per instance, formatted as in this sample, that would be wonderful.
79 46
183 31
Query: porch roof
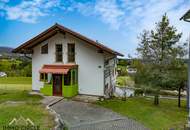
57 69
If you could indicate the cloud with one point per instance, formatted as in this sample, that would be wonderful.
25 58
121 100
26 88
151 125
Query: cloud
144 16
109 12
132 15
129 17
5 1
29 11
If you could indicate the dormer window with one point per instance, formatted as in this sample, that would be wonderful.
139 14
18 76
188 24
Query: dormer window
44 49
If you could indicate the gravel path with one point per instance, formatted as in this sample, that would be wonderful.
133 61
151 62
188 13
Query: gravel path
85 116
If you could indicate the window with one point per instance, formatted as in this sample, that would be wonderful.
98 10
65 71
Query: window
59 53
44 49
71 52
106 63
43 77
73 77
67 78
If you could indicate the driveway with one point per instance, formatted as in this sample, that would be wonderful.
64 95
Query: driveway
85 116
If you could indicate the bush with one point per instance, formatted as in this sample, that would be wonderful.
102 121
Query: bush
122 71
125 81
150 91
139 92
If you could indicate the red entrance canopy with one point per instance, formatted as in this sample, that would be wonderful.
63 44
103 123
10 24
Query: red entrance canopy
54 71
57 69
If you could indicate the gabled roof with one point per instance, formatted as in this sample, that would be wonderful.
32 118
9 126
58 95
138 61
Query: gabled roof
27 46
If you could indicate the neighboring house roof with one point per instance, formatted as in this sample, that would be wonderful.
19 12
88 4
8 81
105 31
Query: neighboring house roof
186 16
27 46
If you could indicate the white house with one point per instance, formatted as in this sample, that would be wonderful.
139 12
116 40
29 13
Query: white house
66 63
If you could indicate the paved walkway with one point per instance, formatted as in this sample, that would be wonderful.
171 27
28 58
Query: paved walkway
85 116
50 100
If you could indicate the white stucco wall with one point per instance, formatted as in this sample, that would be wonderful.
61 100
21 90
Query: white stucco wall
90 64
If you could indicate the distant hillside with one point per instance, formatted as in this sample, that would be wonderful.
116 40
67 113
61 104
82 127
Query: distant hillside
6 53
5 50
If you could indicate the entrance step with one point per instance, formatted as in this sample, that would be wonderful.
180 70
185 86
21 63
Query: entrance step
51 100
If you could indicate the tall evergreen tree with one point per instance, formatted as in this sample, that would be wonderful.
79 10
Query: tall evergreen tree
164 51
144 45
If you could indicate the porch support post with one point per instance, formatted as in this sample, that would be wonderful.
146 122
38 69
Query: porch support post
63 80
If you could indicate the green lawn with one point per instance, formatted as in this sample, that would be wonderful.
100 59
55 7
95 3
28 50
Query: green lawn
16 80
163 117
16 83
15 101
18 95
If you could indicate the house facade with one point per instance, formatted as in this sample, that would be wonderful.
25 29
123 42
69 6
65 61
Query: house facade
66 63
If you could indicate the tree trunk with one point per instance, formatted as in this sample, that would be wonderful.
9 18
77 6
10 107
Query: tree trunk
156 99
179 97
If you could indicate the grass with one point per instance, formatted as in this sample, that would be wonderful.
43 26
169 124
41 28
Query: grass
16 80
35 113
16 83
25 105
18 95
123 81
15 101
163 117
15 86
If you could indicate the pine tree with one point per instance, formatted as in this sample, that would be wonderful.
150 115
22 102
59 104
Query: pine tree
161 50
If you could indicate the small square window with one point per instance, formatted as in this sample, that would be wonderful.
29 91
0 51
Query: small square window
43 77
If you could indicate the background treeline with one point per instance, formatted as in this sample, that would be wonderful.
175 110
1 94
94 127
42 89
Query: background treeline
16 67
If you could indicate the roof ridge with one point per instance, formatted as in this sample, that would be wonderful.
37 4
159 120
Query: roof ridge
65 29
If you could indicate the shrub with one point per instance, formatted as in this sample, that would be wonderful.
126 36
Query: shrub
139 92
150 91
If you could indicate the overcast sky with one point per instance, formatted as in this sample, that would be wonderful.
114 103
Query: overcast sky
115 23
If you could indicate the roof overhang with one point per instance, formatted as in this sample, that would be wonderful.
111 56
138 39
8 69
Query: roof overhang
186 16
27 46
57 69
